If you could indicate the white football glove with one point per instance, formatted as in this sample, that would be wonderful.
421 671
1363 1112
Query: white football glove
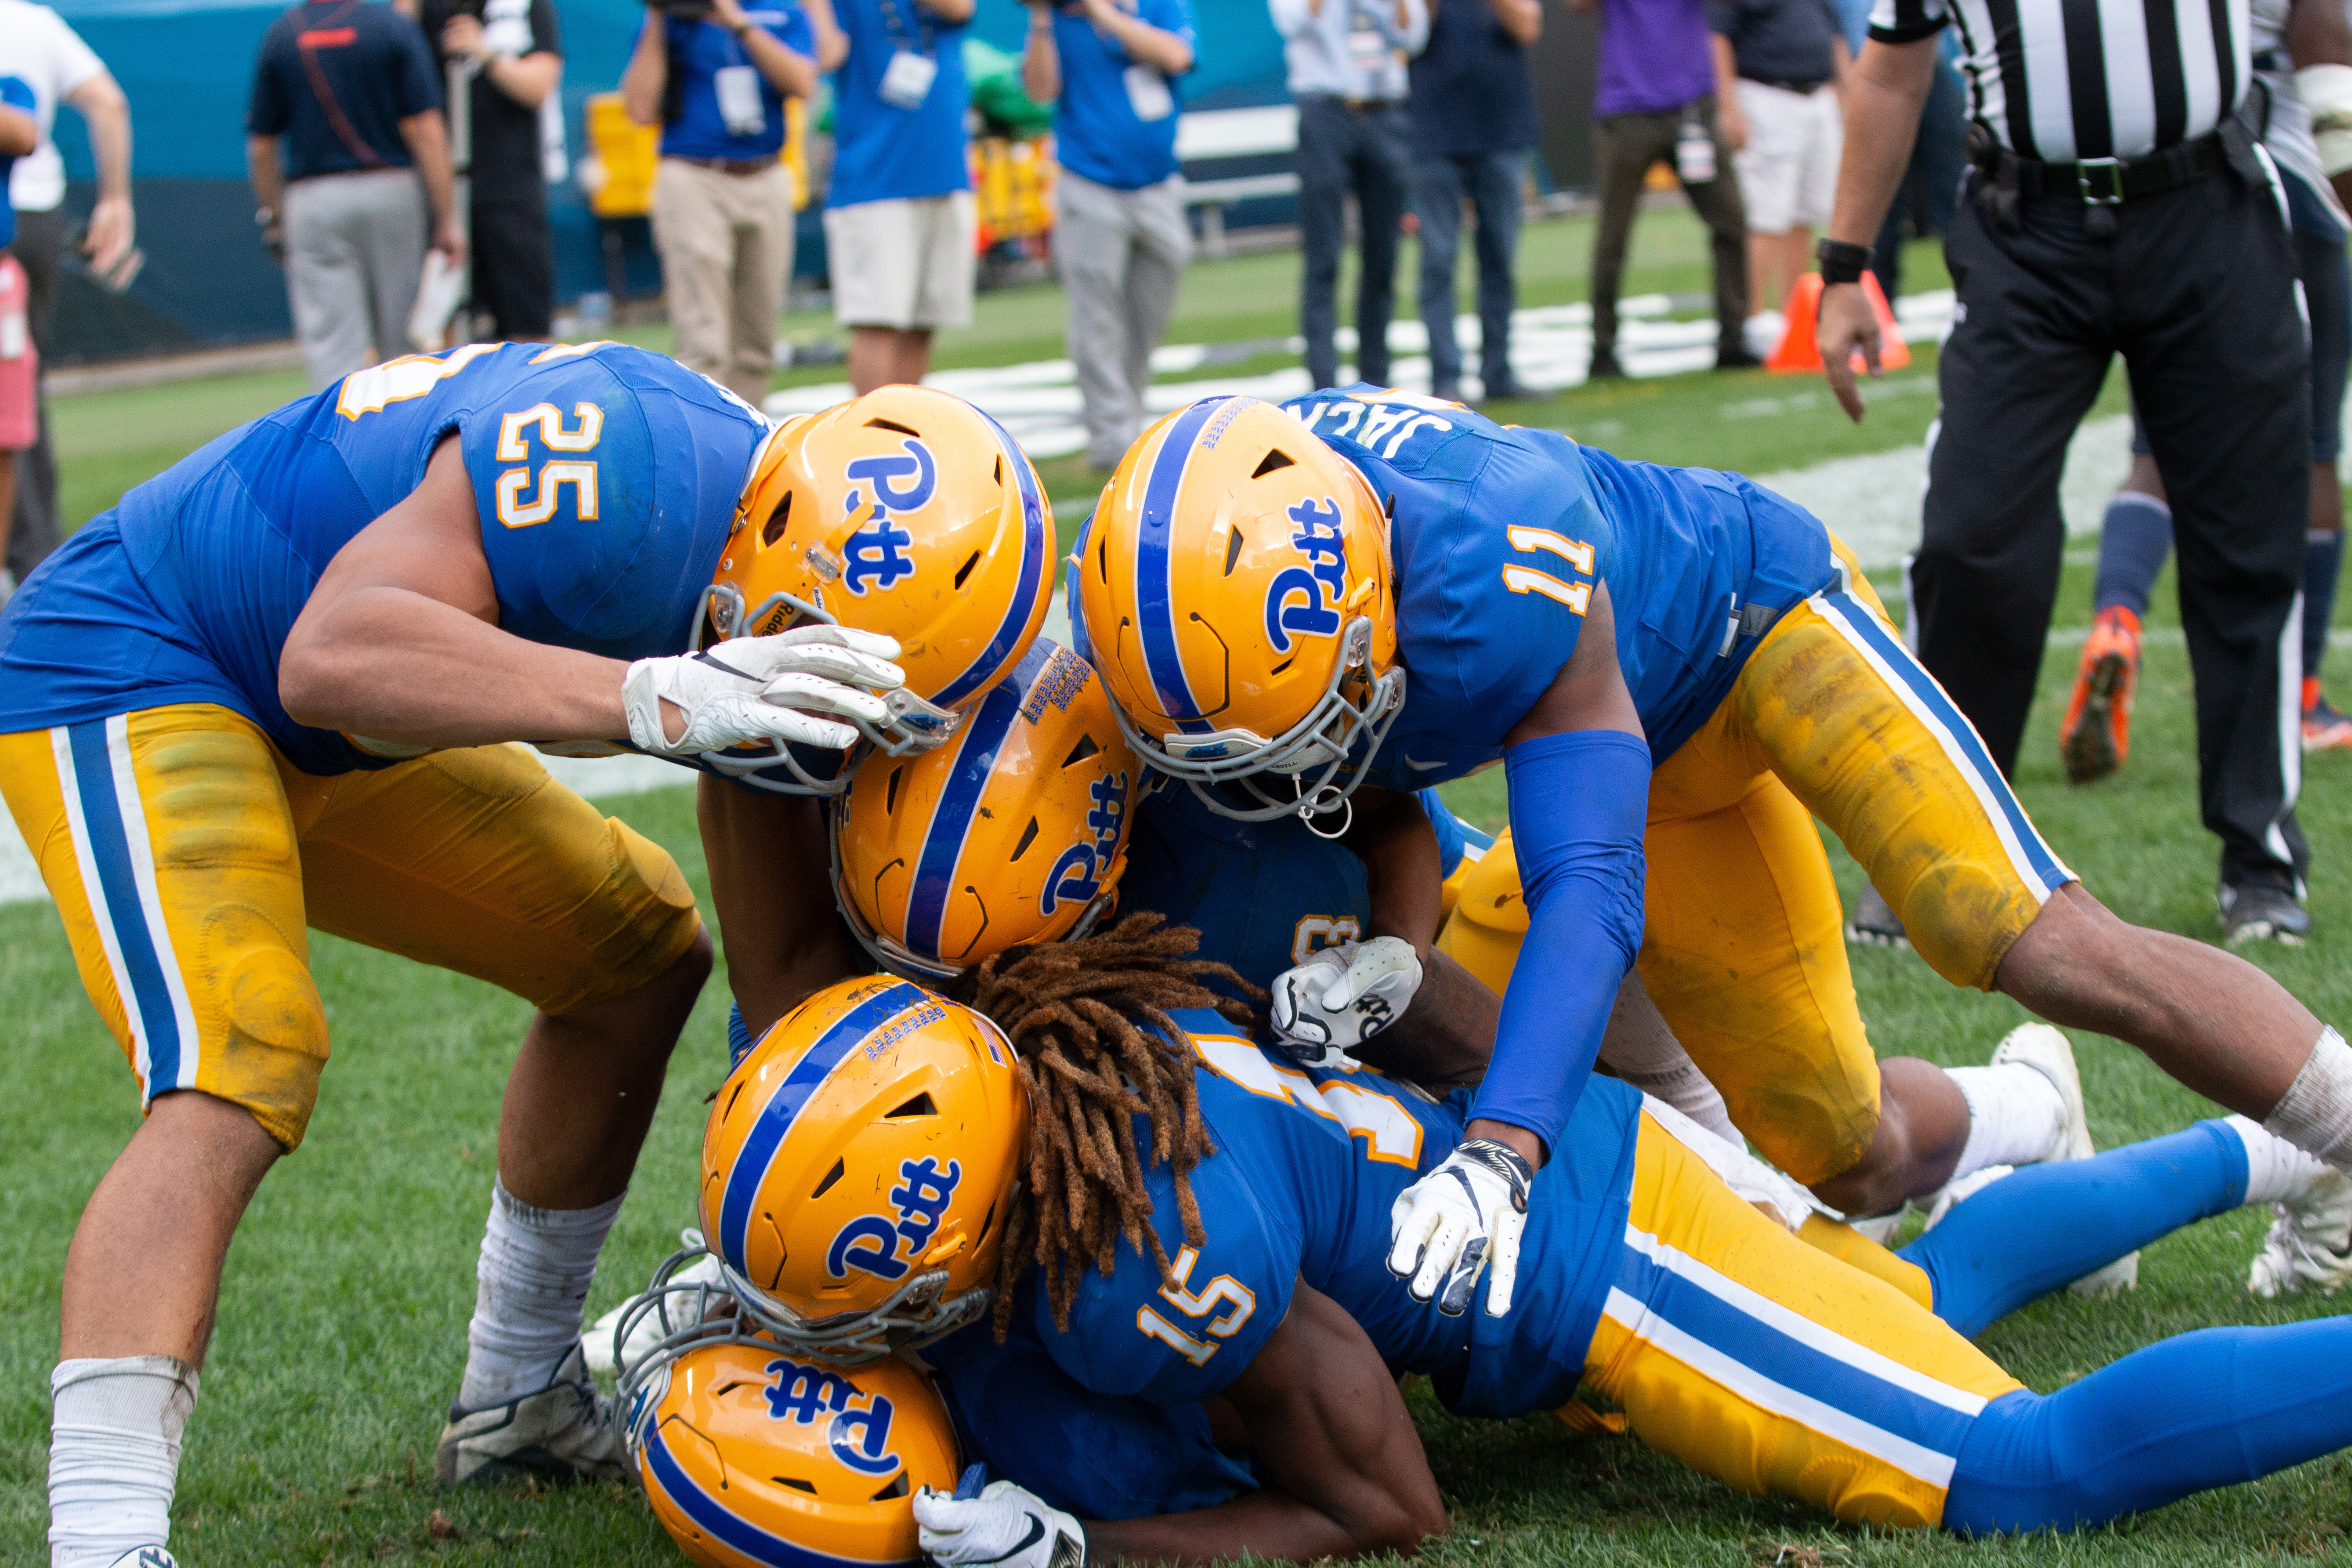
1342 996
1003 1527
1466 1214
763 689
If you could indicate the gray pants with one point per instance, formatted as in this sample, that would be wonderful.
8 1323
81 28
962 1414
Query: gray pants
354 249
40 238
1120 255
1626 146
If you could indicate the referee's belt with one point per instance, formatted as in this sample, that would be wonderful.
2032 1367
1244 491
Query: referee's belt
2105 182
740 167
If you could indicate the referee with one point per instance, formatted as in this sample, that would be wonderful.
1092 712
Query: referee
2117 202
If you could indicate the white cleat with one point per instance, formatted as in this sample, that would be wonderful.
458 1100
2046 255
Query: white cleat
146 1557
2048 1052
598 1340
2309 1246
1961 1191
563 1433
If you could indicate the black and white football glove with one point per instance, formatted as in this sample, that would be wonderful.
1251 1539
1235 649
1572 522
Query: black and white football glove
1459 1219
1003 1527
763 689
1342 996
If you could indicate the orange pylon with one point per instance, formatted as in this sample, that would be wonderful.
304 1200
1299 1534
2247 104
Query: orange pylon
1799 353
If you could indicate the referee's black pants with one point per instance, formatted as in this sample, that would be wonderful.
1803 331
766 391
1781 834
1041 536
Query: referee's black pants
2197 289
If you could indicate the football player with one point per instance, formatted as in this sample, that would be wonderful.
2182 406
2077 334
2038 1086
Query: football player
1678 669
258 696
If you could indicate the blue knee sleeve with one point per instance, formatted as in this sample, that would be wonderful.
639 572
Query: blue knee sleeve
739 1036
2134 538
2027 1235
2206 1409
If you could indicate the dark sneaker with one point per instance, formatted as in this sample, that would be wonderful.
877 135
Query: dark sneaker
1737 357
1874 923
563 1433
1604 367
2261 913
1450 392
1512 391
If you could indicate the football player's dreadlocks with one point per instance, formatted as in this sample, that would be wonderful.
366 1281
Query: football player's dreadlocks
1071 1010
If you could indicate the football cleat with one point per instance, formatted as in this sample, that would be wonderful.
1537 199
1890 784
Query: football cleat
2051 1054
753 1456
2309 1246
1952 1194
858 1169
1874 923
145 1556
609 1349
908 512
563 1433
1014 832
2095 737
2261 913
1283 658
2323 729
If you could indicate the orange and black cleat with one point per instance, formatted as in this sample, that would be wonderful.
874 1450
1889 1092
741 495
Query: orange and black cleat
2095 736
2323 729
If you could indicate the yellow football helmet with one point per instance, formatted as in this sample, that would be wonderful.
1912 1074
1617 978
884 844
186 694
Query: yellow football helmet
751 1456
858 1168
1016 831
908 513
1233 588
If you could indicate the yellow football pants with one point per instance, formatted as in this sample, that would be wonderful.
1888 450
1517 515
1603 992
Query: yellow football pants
1743 947
1748 1355
187 856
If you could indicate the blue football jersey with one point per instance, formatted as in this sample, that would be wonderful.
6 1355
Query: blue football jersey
1497 536
606 478
1306 1167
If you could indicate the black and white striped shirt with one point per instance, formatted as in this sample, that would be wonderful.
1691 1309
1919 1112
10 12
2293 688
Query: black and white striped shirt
2063 80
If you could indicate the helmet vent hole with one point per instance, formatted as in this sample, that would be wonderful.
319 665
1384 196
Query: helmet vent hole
839 1167
891 795
987 1224
730 1103
1000 471
891 425
778 520
1278 669
732 1384
1274 461
795 1482
897 1488
1079 753
1233 549
1102 560
1028 836
964 571
921 1105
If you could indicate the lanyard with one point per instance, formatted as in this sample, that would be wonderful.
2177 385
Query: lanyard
895 26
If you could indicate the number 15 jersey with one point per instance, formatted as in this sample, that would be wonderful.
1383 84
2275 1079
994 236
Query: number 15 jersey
605 478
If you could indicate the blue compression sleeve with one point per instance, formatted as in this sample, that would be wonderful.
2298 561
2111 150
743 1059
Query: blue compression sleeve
738 1037
2206 1409
1578 804
2026 1235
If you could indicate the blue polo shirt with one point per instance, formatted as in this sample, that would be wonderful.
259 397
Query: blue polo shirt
17 94
1098 133
336 78
881 152
1471 90
700 51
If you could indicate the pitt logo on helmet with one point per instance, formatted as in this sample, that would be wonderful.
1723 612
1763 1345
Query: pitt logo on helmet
1232 586
756 1460
870 1241
1014 832
908 512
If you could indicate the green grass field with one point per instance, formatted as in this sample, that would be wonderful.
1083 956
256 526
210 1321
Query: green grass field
342 1318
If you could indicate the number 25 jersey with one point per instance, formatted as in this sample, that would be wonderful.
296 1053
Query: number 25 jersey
605 482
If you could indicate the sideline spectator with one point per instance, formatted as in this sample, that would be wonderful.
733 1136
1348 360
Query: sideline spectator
1347 71
19 362
1789 58
898 224
350 85
521 59
1658 100
2119 201
1120 241
723 216
40 49
1474 119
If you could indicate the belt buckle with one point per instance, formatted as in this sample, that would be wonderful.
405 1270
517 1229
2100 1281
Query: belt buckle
2113 170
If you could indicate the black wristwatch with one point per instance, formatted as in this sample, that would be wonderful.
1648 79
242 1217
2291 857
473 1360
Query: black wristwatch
1841 262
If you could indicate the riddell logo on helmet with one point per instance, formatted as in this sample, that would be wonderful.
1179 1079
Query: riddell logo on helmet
1077 877
859 1433
877 550
1295 600
870 1243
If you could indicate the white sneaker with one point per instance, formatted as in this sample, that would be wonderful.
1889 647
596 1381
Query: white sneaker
598 1340
2310 1244
565 1432
145 1556
2048 1052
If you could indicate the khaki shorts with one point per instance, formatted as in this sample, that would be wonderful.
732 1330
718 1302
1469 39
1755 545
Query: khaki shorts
906 264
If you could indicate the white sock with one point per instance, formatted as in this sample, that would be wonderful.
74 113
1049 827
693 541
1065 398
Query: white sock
2316 1113
2016 1117
536 1268
1684 1087
2275 1169
114 1455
